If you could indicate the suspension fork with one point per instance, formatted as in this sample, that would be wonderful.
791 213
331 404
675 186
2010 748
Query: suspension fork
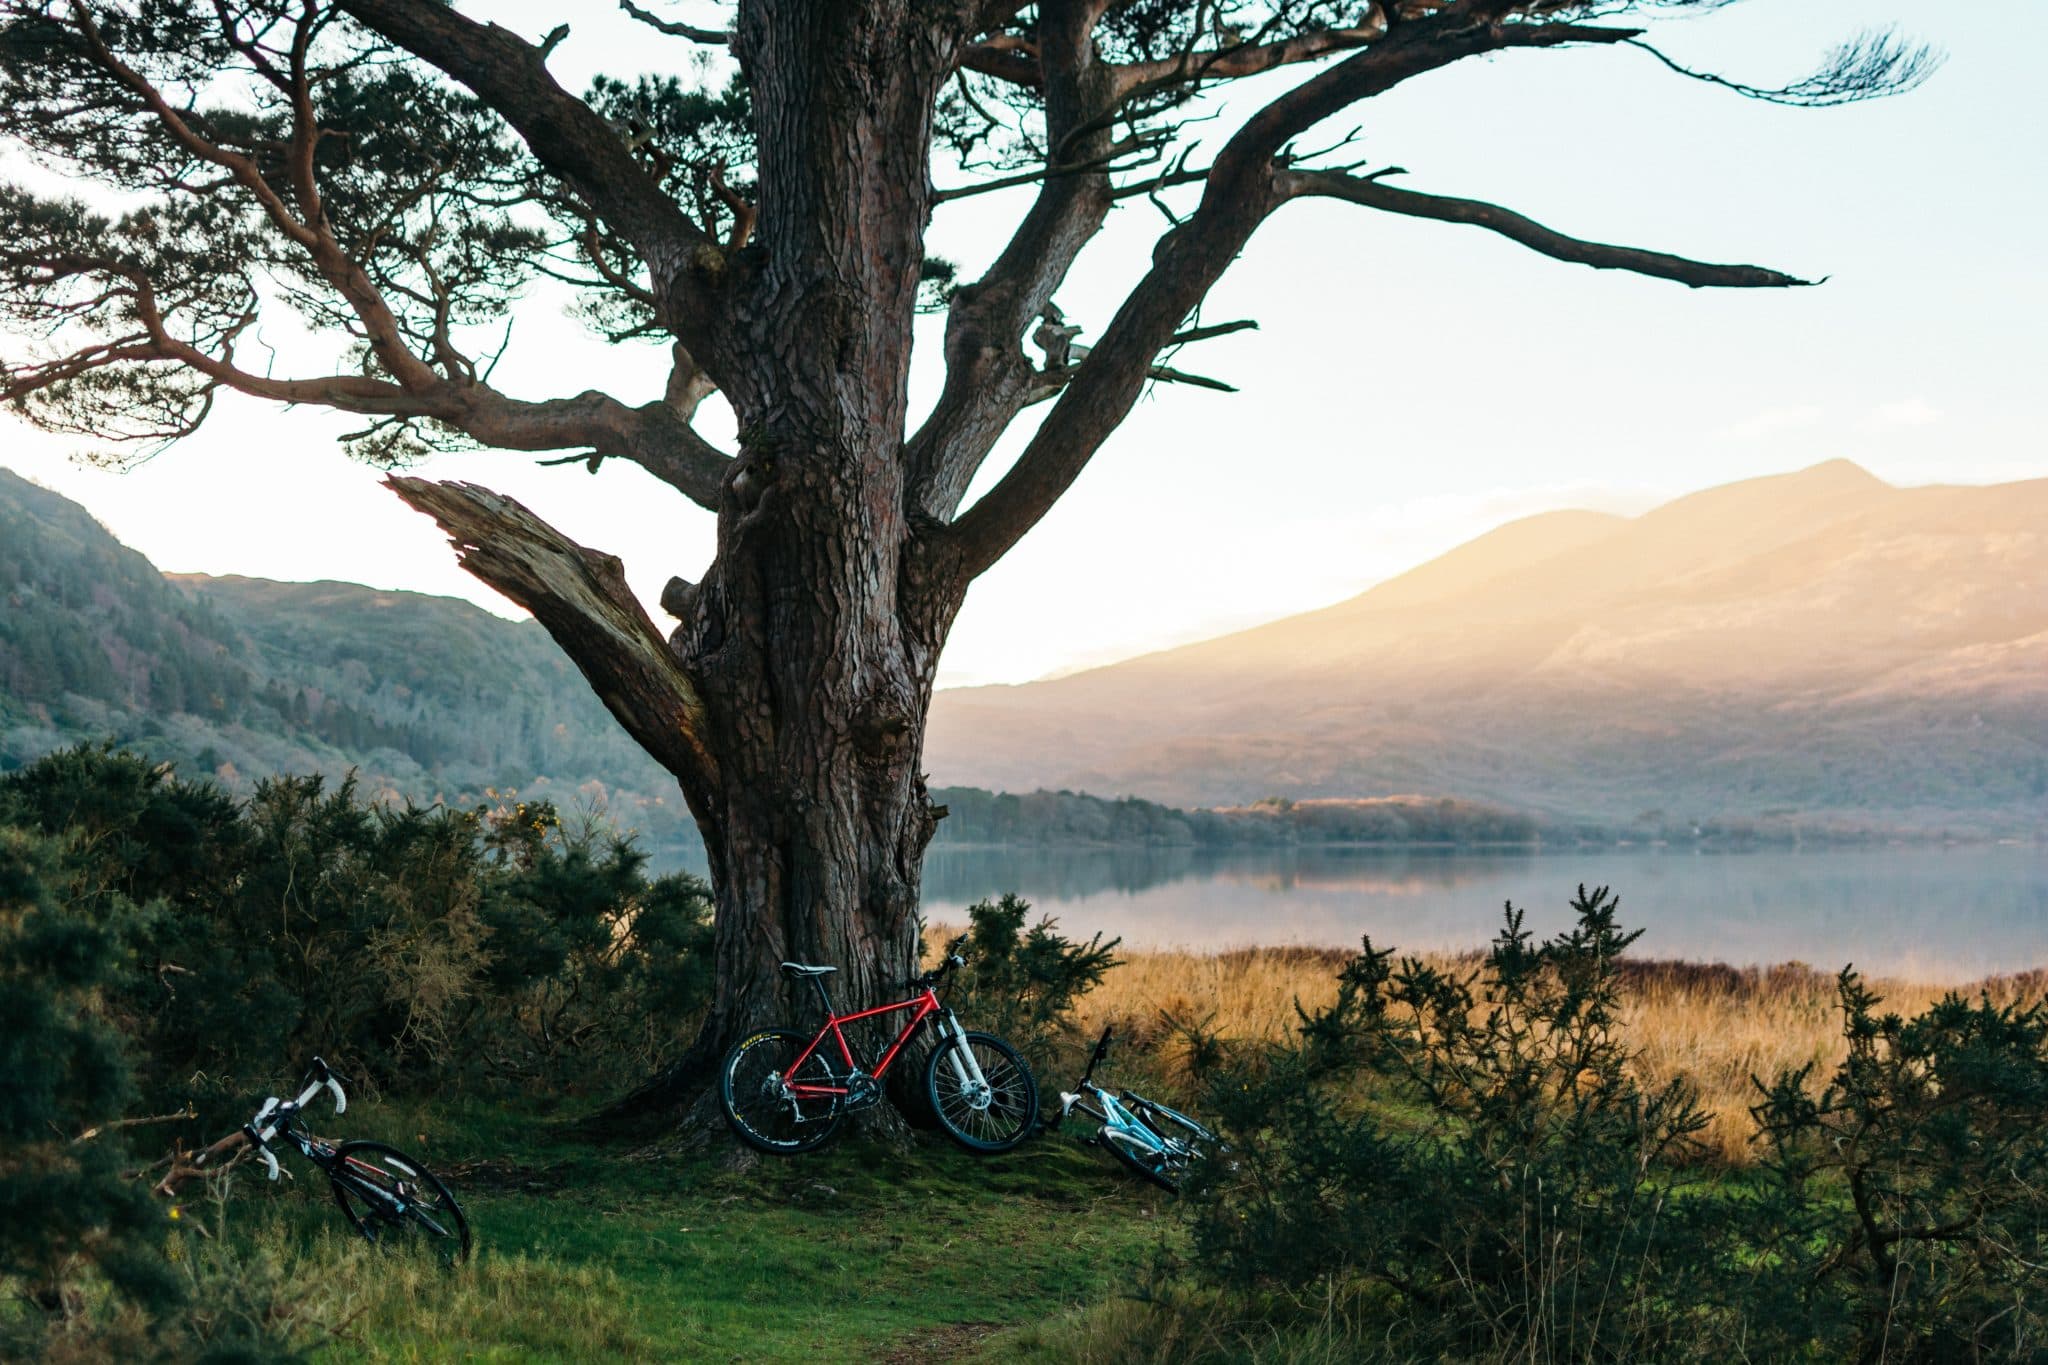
959 1056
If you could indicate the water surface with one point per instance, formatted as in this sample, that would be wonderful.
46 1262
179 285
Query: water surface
1942 914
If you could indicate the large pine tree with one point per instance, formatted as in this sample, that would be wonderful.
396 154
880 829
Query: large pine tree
397 170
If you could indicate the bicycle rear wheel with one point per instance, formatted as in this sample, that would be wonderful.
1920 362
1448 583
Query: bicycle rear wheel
1141 1160
1171 1123
753 1090
392 1199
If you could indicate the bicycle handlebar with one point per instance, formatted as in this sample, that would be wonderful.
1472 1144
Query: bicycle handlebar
950 961
277 1114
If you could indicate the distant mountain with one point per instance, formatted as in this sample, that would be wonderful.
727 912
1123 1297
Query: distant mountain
427 697
1818 646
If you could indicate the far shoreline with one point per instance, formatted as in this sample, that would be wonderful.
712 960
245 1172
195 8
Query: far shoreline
1730 844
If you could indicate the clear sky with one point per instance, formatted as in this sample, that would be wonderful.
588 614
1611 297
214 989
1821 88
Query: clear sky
1412 384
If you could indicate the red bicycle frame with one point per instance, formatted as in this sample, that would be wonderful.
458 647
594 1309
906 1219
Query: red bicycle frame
926 1004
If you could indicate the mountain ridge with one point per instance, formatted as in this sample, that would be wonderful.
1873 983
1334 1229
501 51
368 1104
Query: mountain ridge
1587 669
1768 643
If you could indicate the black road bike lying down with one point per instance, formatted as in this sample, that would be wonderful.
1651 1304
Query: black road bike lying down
387 1196
1157 1143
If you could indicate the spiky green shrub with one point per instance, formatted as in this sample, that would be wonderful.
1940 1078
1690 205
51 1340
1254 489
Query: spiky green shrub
1468 1153
1460 1164
1907 1201
84 1269
1023 983
417 949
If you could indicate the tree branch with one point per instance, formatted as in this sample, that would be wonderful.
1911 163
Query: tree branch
581 597
1659 265
657 436
1007 57
1242 189
309 230
1871 65
712 36
989 379
569 138
1137 79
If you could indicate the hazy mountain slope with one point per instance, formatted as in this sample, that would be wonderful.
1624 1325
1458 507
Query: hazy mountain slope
426 697
82 615
1819 642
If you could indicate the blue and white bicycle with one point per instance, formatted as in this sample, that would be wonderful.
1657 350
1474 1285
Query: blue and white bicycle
1156 1142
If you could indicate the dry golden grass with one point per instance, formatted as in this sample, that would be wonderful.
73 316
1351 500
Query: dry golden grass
1712 1024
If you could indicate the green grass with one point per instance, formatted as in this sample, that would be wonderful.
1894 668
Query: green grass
854 1252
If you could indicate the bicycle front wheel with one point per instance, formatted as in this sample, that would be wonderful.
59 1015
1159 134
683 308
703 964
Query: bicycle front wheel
990 1113
1144 1161
392 1199
753 1089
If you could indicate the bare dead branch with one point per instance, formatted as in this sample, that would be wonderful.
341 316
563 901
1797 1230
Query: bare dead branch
582 598
711 36
1374 193
182 1167
116 1125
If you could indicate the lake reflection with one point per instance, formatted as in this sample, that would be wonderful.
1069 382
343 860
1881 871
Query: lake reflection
1931 913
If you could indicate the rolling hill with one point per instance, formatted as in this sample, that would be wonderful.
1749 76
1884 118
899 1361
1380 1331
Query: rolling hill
424 697
1818 646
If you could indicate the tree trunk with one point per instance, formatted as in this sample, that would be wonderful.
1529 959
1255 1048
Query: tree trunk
790 702
814 639
791 706
815 659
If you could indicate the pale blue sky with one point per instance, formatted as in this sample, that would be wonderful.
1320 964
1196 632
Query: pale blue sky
1412 384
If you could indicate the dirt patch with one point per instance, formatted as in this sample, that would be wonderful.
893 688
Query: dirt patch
950 1342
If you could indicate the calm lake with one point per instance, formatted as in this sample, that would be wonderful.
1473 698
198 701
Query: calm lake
1940 914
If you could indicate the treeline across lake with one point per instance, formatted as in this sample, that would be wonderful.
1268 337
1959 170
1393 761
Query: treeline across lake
974 816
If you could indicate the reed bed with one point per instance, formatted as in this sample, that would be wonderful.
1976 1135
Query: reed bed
1712 1024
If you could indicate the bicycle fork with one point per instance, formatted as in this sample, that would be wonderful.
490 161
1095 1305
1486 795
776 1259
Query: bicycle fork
959 1056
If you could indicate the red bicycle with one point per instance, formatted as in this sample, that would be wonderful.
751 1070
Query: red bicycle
787 1091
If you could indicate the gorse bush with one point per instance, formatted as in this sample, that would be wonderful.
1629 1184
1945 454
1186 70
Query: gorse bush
169 954
415 948
86 1269
1461 1165
64 1211
1934 1133
1509 1183
1023 983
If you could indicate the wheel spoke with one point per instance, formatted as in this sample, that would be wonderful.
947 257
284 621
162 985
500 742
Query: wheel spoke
390 1198
994 1114
757 1096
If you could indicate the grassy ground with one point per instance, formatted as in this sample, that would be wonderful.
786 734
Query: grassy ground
853 1253
591 1252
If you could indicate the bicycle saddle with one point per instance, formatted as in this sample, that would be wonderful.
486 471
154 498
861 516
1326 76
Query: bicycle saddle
806 969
